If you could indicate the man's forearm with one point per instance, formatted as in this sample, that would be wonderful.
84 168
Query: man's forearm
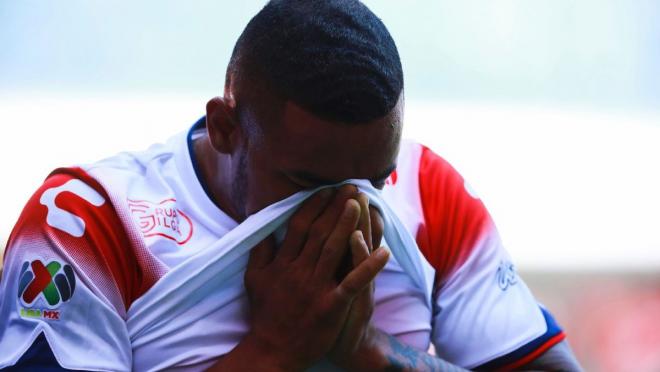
386 353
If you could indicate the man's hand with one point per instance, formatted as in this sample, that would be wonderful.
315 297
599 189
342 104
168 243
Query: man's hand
355 332
361 346
297 306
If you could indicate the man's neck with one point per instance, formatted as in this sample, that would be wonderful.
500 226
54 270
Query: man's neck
215 172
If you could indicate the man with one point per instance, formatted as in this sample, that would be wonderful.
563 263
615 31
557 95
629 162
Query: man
103 268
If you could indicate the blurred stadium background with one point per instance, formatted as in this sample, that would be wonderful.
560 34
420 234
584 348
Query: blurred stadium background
551 109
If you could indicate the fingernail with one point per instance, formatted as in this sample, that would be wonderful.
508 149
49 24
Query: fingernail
360 236
382 252
348 210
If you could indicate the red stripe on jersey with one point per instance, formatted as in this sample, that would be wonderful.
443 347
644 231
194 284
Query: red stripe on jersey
103 252
391 180
453 219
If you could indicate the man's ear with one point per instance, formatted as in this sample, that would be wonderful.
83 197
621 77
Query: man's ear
222 125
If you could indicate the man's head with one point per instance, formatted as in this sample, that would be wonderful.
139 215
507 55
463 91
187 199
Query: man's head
313 95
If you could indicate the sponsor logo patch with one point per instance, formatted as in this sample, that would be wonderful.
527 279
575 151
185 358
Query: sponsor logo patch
162 219
506 275
63 220
45 285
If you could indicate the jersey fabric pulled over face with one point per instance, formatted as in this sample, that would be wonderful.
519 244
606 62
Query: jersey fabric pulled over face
96 239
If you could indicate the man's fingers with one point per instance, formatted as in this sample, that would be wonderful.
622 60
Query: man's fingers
321 229
360 277
359 248
262 254
301 221
338 242
377 227
365 219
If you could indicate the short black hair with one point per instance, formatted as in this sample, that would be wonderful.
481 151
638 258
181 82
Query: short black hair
334 58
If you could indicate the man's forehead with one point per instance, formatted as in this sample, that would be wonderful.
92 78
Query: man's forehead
321 150
297 122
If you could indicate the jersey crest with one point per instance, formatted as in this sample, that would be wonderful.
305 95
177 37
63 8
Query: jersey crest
162 219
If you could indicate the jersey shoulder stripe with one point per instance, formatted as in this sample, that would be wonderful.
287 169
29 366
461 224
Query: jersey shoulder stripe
453 219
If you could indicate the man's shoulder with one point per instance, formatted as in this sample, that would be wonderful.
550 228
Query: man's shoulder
95 215
73 218
425 178
158 158
416 158
133 179
437 206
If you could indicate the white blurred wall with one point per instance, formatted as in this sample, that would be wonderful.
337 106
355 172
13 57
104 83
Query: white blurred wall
568 189
550 108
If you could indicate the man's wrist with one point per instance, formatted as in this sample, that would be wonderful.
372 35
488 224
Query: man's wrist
269 356
254 355
370 355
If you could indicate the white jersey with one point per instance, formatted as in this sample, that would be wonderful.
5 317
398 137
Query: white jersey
94 239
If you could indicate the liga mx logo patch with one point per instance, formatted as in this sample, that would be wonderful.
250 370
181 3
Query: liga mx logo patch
45 285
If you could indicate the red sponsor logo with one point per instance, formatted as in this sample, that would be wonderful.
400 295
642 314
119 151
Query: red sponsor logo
162 219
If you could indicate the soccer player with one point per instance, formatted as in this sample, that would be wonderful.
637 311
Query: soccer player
108 266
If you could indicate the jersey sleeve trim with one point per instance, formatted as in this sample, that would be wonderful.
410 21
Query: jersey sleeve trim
530 351
39 357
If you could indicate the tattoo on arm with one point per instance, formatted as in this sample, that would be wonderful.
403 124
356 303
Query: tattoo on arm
403 358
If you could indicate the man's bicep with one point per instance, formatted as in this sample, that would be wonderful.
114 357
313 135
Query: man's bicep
52 291
484 314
